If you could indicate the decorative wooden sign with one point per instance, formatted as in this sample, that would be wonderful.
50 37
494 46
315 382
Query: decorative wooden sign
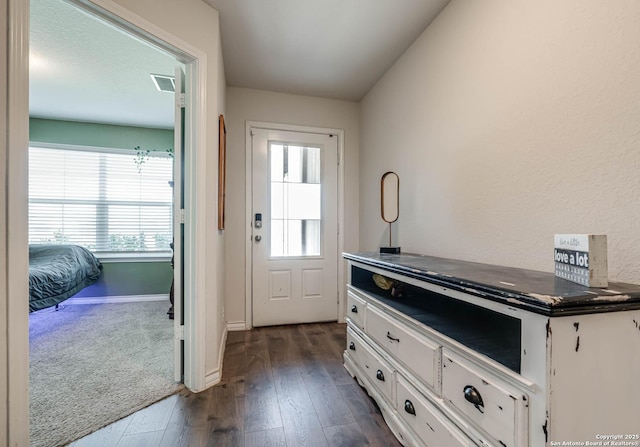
581 258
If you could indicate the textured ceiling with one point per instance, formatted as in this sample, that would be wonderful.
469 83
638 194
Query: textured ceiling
83 69
328 48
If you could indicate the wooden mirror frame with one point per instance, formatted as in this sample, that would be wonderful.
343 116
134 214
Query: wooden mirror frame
222 171
390 180
390 211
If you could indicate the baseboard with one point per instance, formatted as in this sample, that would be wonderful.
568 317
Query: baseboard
117 299
214 377
236 326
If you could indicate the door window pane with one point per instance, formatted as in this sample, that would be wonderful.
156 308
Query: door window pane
296 200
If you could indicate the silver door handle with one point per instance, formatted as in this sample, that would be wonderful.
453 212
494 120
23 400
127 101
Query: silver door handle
258 238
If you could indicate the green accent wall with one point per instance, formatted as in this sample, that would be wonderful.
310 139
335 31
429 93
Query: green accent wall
131 278
118 278
99 135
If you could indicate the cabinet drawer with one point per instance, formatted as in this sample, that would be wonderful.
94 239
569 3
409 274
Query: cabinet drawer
418 353
356 309
377 371
425 420
483 398
354 346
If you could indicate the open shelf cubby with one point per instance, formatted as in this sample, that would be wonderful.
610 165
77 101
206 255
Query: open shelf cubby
490 333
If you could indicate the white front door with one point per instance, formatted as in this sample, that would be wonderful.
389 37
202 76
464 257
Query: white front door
295 227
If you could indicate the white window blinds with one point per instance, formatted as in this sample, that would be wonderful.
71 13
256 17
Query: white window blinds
105 200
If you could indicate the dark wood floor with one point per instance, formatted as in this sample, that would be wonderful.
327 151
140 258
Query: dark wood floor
281 386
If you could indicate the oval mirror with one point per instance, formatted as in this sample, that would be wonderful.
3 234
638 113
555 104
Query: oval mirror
389 196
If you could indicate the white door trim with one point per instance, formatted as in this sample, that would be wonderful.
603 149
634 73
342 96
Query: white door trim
17 254
249 199
195 61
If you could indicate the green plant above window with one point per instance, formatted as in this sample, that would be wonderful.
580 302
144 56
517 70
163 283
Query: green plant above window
142 155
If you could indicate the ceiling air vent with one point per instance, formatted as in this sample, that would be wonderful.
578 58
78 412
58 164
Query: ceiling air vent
164 83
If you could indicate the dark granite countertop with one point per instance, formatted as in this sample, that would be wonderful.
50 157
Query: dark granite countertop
535 291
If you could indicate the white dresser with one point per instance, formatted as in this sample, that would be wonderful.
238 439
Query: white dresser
462 354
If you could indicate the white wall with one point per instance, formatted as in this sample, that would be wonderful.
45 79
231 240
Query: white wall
508 122
197 24
255 105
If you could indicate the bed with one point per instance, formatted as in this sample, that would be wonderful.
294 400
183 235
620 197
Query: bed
57 272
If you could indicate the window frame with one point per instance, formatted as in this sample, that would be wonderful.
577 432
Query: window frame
114 256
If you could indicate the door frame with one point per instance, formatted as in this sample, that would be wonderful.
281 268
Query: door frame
249 208
194 130
195 61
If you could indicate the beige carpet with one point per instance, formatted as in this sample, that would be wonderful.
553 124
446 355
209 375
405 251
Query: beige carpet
91 365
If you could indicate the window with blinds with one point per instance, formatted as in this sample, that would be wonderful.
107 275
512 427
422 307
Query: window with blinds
109 201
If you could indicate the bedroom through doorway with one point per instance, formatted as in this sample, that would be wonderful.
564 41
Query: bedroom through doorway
103 178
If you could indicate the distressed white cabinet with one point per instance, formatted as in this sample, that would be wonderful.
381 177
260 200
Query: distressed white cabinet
458 353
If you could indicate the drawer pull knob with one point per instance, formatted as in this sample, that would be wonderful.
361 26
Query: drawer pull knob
380 375
408 407
352 346
354 309
391 338
472 395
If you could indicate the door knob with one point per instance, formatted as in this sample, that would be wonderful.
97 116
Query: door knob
258 238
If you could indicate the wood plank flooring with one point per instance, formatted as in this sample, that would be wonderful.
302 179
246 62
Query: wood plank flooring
281 386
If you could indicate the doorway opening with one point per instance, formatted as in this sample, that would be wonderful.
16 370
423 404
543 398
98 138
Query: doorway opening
94 124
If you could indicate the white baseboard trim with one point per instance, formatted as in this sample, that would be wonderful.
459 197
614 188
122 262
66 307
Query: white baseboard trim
117 299
214 377
236 326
